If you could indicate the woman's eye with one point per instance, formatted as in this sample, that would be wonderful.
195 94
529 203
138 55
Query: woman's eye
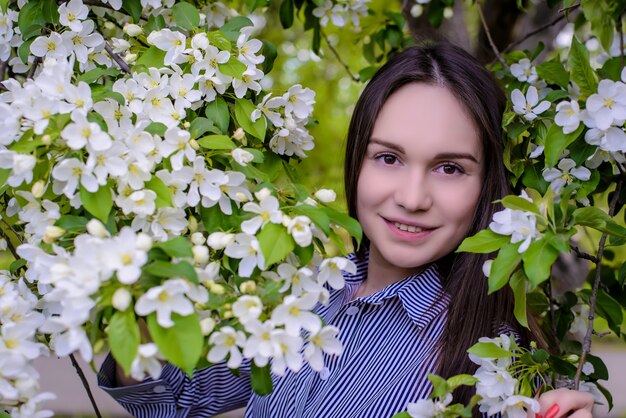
387 159
450 169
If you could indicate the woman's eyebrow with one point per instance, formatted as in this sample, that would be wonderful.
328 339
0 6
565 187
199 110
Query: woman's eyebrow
387 144
456 156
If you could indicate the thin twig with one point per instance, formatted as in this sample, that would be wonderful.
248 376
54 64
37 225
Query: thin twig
119 60
621 40
33 67
489 38
336 54
551 305
594 292
584 255
533 33
3 69
85 384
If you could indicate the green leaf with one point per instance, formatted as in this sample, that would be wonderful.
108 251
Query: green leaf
219 40
183 269
217 112
186 15
540 356
50 11
217 142
503 266
519 203
99 93
346 222
95 74
580 68
611 310
597 219
182 343
233 67
232 28
214 220
243 112
440 386
4 6
557 142
553 72
156 128
24 50
16 265
484 242
176 247
621 275
286 13
599 368
402 415
538 260
275 242
488 350
261 379
151 57
461 380
518 284
270 53
99 204
155 23
124 338
30 19
72 223
134 9
200 126
317 215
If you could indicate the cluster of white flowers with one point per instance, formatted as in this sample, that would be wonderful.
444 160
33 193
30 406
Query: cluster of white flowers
19 381
520 225
340 12
429 408
497 387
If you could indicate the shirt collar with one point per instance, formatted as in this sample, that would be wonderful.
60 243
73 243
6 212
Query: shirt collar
421 294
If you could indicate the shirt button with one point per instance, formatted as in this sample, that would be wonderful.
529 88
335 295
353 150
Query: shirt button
352 310
159 389
324 373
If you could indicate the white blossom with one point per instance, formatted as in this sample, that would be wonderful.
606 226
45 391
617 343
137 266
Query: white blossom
528 105
564 174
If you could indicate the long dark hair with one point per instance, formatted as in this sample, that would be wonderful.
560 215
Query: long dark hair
471 312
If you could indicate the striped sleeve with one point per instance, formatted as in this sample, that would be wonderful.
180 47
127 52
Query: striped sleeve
209 392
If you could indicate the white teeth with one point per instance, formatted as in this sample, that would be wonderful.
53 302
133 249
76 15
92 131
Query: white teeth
408 228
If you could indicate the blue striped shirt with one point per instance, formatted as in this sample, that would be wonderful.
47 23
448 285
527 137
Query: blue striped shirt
390 345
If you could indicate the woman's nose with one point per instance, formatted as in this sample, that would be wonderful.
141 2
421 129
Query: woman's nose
414 194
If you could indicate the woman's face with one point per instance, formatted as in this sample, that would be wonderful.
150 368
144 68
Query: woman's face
420 180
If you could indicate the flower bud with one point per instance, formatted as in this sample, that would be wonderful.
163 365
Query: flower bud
239 134
242 156
487 267
572 358
326 195
193 224
227 315
248 287
38 189
144 242
97 229
186 124
109 25
200 254
3 244
121 299
448 12
218 289
263 194
197 238
130 58
52 233
194 144
417 10
46 139
220 240
132 29
207 325
200 41
310 202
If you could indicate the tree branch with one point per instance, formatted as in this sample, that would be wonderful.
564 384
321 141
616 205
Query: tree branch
584 255
85 384
9 244
594 292
533 33
33 68
119 60
489 38
336 54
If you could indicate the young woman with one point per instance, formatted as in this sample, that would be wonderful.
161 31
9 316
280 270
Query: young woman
423 164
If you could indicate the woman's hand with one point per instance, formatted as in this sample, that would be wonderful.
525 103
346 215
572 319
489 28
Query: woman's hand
565 403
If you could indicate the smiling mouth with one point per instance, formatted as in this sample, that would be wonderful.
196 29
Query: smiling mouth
407 228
